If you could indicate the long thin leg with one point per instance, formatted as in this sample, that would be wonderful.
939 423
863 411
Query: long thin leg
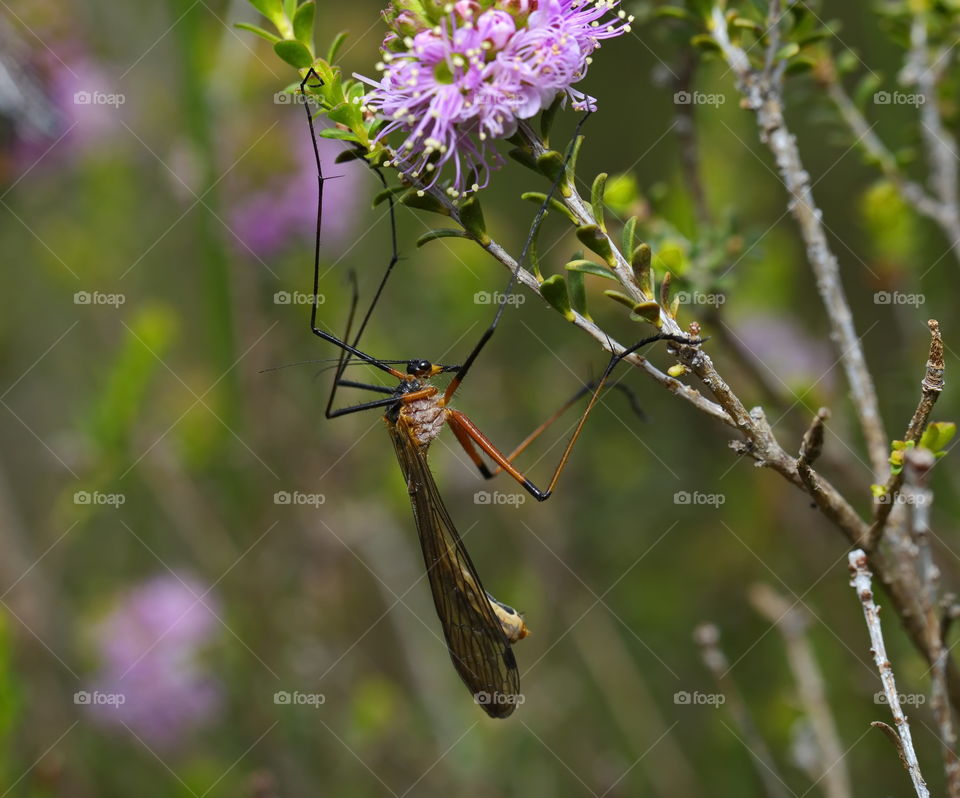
470 437
537 220
343 345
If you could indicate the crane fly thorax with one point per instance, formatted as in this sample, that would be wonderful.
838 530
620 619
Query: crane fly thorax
425 417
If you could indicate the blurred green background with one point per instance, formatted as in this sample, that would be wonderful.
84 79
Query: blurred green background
147 551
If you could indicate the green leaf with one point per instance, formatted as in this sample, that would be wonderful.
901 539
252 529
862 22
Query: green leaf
294 53
289 8
271 9
640 260
382 196
593 237
788 51
629 234
303 23
471 217
337 133
622 298
547 118
263 34
938 435
423 201
596 199
800 66
647 311
705 42
589 267
523 156
446 232
550 164
572 165
554 290
335 45
538 197
578 292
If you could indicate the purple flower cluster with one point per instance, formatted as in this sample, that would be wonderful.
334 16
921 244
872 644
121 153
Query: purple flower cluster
456 86
150 645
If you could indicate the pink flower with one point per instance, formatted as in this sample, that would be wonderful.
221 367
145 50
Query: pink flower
472 77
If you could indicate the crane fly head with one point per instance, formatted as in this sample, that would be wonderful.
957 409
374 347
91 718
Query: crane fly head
424 369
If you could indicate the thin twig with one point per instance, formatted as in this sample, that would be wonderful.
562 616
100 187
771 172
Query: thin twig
919 498
792 621
707 636
931 388
860 580
762 93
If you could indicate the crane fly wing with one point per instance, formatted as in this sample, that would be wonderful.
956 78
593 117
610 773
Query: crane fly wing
478 647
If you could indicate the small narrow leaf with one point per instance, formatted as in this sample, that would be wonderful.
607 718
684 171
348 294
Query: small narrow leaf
271 9
622 298
572 166
596 199
471 217
547 118
589 267
289 8
424 202
381 196
629 234
538 197
594 239
446 232
263 34
335 46
554 290
337 133
578 292
640 261
523 156
303 24
550 164
647 311
294 54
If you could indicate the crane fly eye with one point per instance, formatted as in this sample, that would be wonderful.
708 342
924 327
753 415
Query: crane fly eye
419 367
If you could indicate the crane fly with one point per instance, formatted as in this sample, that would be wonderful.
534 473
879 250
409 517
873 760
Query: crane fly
479 630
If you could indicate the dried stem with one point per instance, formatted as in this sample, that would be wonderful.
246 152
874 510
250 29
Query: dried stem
707 636
860 580
919 498
792 621
762 93
931 388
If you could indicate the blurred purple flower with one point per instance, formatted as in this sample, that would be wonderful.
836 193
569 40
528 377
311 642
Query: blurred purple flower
789 352
285 212
150 646
69 108
470 79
